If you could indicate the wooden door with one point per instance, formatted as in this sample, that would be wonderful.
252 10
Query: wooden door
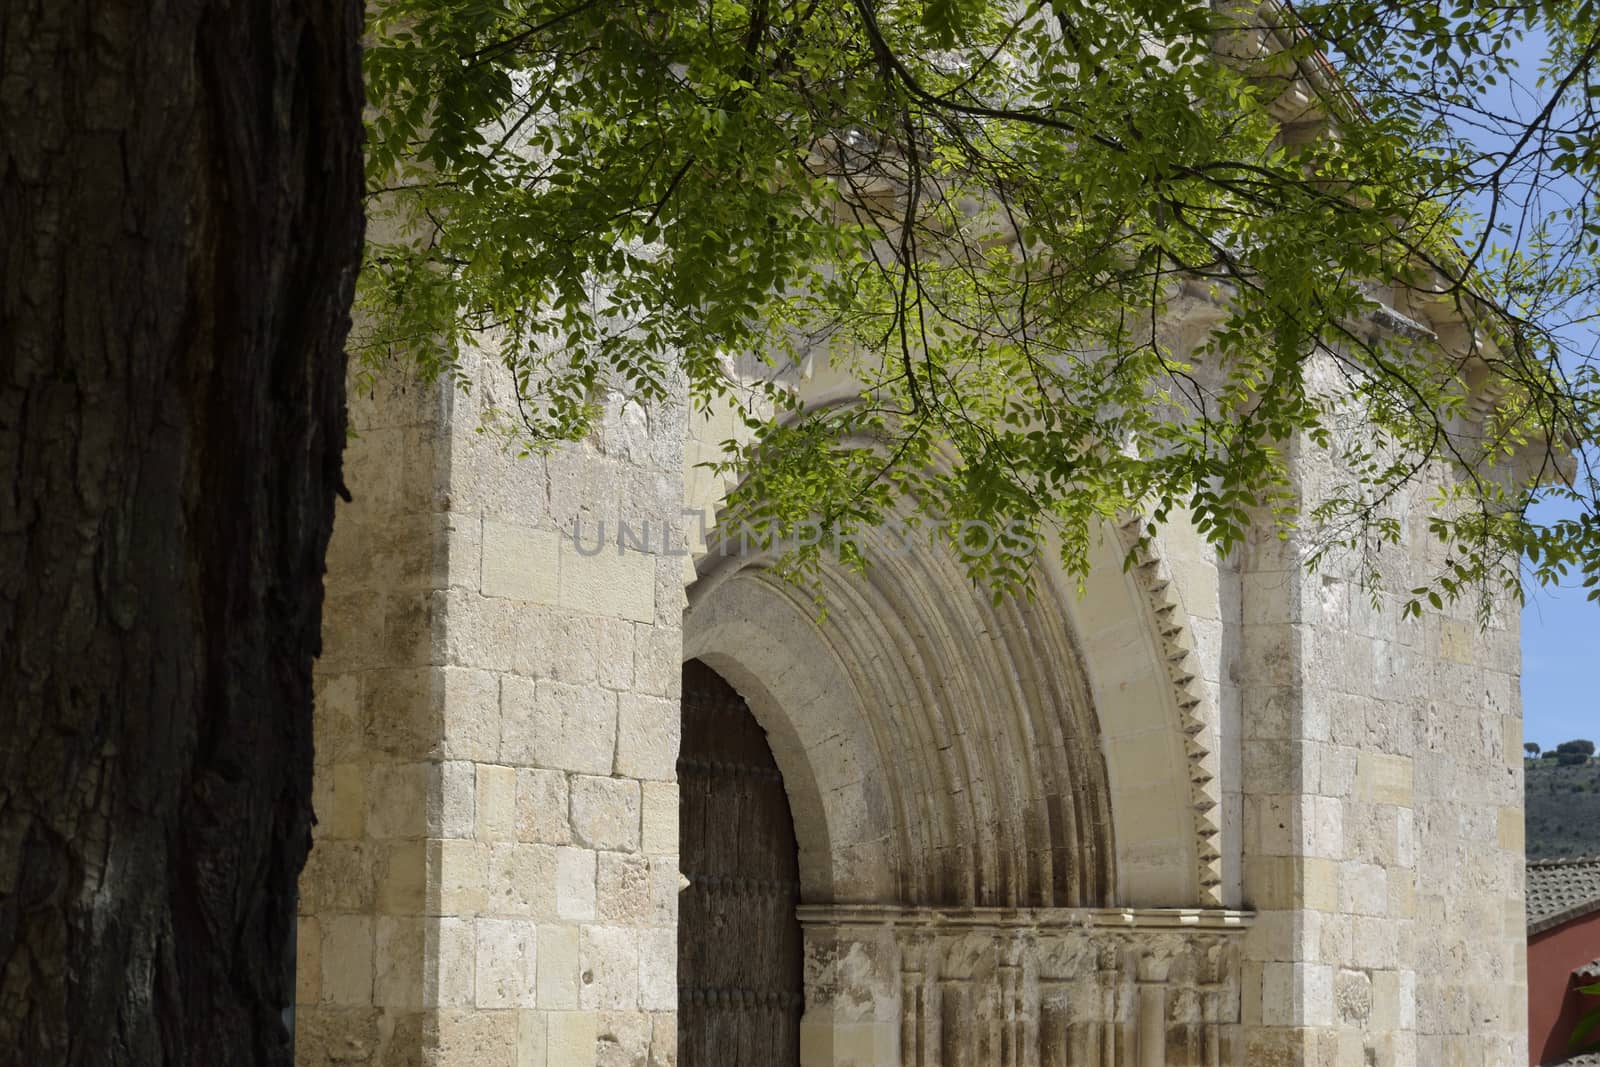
739 949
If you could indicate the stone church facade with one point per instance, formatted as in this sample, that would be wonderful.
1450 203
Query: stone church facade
1198 812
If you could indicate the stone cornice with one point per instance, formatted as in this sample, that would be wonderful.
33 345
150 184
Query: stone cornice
1211 920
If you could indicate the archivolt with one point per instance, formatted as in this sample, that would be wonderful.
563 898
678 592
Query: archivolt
981 779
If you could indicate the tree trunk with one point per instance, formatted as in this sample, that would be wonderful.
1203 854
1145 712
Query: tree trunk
180 225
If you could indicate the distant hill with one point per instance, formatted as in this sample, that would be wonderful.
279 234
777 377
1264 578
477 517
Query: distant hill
1563 809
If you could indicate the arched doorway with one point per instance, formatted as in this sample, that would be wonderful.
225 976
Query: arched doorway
739 944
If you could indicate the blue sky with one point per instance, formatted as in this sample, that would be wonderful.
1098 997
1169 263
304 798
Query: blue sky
1560 659
1560 628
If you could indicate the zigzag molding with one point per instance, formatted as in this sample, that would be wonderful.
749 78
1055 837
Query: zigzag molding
1198 715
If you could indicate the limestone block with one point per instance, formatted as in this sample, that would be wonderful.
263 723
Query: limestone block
647 495
1405 838
556 726
408 628
1250 993
558 967
325 1035
470 713
349 554
1456 641
658 969
484 633
346 817
609 976
400 962
647 737
664 887
1384 779
1385 1000
462 869
658 660
1374 835
308 961
614 652
457 800
1402 893
615 582
622 888
531 1031
337 716
402 885
542 806
1268 882
1273 767
571 1037
623 1039
456 967
1458 684
570 649
605 812
1266 656
407 551
352 632
1352 997
477 1038
1323 831
398 800
1270 597
422 476
1510 829
1511 741
660 817
671 600
496 803
1269 824
1375 943
1502 692
1297 994
582 483
664 1039
521 880
519 562
461 536
1286 935
575 883
347 960
340 876
1363 889
1337 937
1267 714
506 964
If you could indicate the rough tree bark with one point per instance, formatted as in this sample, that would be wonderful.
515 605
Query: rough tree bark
180 224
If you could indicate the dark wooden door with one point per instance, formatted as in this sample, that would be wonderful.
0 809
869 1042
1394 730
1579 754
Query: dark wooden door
739 952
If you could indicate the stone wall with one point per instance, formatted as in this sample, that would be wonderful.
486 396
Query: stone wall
1382 831
494 880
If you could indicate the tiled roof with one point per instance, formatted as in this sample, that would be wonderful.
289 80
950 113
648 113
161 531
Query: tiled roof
1561 890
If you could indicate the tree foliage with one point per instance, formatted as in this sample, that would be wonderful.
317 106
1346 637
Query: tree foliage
980 212
1584 1037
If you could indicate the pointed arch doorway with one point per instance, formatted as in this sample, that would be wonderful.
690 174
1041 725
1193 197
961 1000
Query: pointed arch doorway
739 942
